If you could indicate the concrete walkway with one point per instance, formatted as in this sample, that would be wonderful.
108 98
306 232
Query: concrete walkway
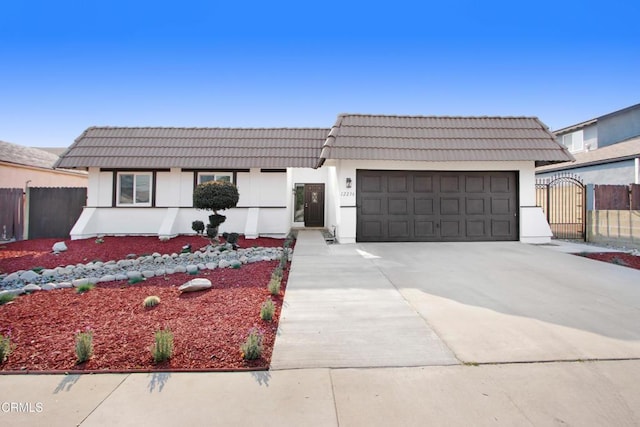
341 311
494 303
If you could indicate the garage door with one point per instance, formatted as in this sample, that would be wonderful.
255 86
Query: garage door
402 206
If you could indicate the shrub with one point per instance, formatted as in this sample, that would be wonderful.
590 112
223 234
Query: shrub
84 345
274 286
197 226
5 347
277 273
151 301
84 288
215 196
163 348
252 347
267 309
5 298
37 269
135 280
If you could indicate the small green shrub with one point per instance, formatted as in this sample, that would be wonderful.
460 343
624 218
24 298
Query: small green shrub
163 348
274 286
252 347
5 347
619 261
267 309
197 226
37 269
135 280
84 345
84 288
277 273
151 301
5 298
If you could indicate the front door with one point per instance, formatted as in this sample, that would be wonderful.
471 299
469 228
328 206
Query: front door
314 205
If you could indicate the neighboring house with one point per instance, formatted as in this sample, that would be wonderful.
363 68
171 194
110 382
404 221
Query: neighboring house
22 167
606 149
373 178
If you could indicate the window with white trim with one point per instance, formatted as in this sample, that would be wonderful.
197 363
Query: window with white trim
214 176
134 188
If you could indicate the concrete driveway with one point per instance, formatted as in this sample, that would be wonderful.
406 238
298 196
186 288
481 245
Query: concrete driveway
409 304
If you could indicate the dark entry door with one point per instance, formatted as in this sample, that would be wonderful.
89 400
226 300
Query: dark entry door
314 205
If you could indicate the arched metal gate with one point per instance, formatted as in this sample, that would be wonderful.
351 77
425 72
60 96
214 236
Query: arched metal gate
563 199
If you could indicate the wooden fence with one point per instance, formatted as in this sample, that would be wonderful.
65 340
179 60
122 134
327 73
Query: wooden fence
615 215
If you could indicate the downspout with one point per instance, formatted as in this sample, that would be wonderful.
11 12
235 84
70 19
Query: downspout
637 167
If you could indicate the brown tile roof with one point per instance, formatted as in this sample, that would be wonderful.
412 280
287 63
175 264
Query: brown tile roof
427 138
611 153
13 153
195 148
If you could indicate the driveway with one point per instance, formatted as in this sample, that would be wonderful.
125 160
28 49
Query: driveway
411 304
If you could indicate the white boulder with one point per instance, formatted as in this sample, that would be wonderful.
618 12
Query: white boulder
194 285
59 247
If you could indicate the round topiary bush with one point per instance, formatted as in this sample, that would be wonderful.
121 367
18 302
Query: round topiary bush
215 195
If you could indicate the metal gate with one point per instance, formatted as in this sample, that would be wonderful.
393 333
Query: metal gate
563 199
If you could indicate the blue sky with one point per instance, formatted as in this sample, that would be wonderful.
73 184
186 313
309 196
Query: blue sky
68 65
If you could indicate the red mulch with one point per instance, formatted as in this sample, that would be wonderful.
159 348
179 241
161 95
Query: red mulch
208 326
619 258
27 254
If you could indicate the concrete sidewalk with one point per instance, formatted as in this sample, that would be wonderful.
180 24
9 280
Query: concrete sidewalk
575 393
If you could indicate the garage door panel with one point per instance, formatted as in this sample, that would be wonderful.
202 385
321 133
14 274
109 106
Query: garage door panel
424 229
398 206
372 206
398 184
451 228
501 228
423 184
371 184
500 206
474 184
449 184
436 206
475 206
476 228
500 184
399 229
450 206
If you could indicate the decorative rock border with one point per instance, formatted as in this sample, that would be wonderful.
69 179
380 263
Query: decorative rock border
208 258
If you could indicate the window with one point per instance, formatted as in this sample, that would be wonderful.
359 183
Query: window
298 212
573 141
214 176
134 189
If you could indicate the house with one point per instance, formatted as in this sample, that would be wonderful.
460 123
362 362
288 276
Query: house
372 177
606 149
22 167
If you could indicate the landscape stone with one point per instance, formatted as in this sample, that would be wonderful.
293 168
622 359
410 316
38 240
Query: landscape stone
31 288
134 275
121 277
195 285
170 270
160 272
18 291
211 265
29 276
108 278
59 247
64 270
180 269
192 268
49 272
63 285
49 286
223 263
11 277
235 263
201 266
148 273
79 282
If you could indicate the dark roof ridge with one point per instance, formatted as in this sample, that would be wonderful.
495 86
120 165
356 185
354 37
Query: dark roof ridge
205 128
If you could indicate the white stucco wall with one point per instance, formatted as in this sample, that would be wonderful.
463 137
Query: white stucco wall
346 211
